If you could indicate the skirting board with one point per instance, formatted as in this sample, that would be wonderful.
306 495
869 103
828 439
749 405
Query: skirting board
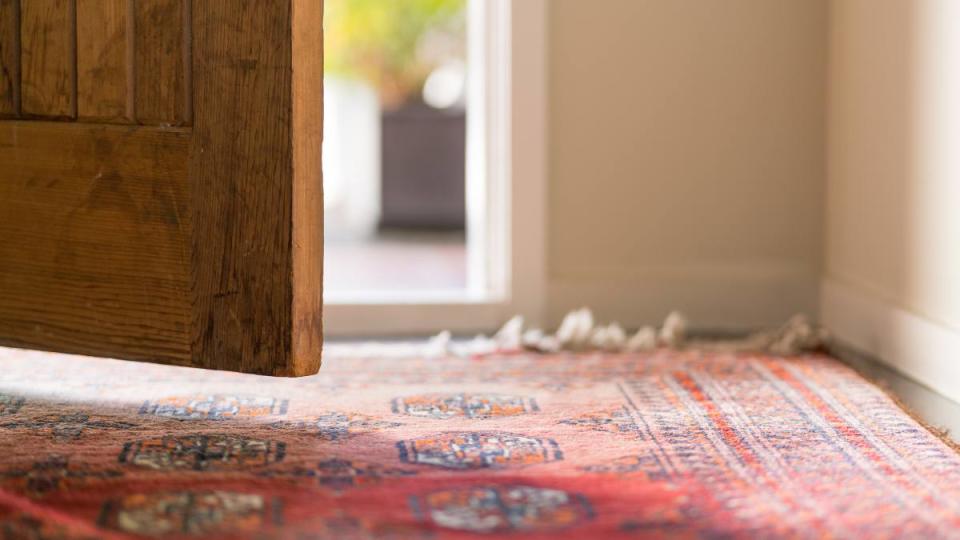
741 298
934 409
921 349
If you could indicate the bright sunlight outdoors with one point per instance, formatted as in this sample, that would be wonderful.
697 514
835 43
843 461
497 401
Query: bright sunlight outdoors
395 147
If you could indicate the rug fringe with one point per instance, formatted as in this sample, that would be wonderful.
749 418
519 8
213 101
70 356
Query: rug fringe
579 332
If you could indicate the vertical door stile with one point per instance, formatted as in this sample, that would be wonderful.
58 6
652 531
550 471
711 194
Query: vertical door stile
9 58
160 62
102 72
48 59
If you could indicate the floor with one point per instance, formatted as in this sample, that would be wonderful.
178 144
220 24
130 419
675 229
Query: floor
395 261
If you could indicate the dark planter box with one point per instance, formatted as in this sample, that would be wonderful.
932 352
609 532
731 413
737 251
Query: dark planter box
423 183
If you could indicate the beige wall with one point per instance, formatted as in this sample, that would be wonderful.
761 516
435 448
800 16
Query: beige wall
892 276
686 158
893 202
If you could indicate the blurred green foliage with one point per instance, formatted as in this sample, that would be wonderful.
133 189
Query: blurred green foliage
392 44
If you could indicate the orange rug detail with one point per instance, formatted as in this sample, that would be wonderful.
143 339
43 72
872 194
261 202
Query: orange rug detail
659 445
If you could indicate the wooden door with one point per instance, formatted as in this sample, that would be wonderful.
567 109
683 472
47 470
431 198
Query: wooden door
160 183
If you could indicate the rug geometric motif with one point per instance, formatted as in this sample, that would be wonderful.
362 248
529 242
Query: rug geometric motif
663 444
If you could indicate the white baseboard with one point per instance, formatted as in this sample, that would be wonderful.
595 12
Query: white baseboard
923 350
713 297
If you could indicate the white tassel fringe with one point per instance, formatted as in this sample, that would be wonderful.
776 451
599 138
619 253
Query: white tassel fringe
578 332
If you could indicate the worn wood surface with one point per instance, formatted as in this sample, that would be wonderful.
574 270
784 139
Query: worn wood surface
9 58
160 61
193 237
48 58
242 182
95 228
103 86
307 186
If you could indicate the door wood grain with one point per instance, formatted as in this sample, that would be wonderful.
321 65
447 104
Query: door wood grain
160 181
102 65
161 53
48 60
9 58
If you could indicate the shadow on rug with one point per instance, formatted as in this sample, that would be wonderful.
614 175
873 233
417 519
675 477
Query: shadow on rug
662 444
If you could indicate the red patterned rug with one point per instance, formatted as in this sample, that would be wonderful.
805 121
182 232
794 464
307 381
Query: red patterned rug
659 445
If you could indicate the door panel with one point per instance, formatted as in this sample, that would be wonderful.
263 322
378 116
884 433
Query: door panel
103 85
48 69
9 58
161 54
95 231
160 184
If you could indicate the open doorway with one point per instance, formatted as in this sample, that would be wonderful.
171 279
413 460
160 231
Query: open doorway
395 167
428 103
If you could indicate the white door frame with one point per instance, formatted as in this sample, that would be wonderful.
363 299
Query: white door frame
506 184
